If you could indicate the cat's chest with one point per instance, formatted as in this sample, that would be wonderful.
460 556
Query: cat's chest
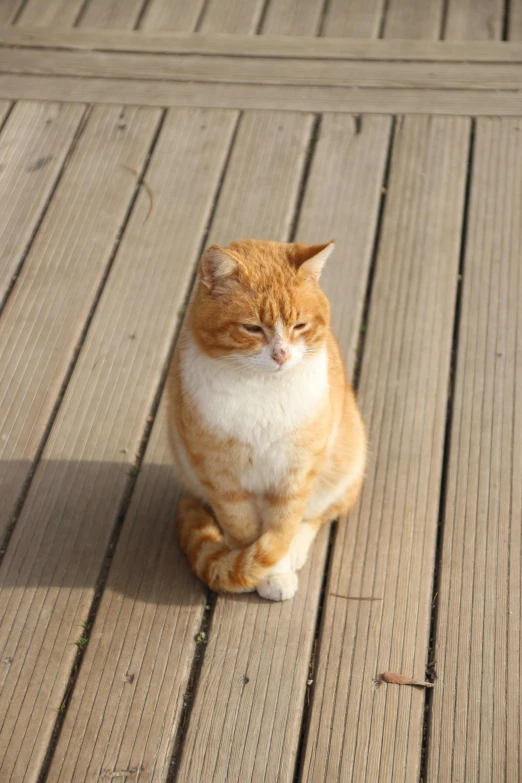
257 410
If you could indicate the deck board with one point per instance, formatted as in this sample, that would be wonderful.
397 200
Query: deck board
292 17
34 143
50 13
268 644
59 282
475 727
255 71
474 20
50 569
166 15
413 19
232 16
385 550
117 725
353 18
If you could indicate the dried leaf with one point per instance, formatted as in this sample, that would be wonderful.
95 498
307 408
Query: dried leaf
401 679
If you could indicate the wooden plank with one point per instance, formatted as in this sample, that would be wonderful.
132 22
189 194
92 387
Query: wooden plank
282 46
34 144
9 10
48 309
166 15
474 20
292 17
247 713
353 19
386 549
232 16
515 20
263 96
116 725
475 720
413 19
111 13
57 13
263 71
50 569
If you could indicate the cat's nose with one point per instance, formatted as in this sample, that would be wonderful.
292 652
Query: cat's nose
280 354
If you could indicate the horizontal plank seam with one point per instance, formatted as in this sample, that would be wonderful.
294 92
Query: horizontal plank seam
260 84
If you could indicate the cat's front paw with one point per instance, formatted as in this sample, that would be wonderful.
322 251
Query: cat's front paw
278 587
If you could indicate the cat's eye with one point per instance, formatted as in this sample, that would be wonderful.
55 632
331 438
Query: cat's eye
299 326
253 328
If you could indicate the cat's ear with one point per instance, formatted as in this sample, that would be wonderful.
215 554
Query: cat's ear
311 258
216 266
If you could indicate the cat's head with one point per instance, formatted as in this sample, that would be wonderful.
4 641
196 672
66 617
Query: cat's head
259 303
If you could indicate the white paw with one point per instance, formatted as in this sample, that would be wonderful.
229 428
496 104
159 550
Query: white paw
278 587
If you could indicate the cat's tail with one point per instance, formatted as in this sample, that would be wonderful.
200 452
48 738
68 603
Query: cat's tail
219 567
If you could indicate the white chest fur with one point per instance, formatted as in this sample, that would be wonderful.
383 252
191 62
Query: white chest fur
260 410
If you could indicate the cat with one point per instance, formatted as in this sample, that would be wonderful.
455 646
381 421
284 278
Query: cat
265 431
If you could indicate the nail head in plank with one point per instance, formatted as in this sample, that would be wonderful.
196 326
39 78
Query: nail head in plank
268 643
50 570
474 727
59 282
387 546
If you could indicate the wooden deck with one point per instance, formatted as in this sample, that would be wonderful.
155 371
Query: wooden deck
134 133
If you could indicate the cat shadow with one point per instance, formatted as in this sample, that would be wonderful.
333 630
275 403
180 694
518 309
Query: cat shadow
85 521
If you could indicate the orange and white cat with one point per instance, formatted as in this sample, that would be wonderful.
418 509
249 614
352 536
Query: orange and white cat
265 430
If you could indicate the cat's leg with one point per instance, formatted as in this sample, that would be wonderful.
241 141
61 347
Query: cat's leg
281 519
302 542
308 529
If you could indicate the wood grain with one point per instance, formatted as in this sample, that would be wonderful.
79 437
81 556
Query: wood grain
263 71
474 20
413 19
247 713
282 46
353 18
49 573
475 721
264 96
386 548
61 278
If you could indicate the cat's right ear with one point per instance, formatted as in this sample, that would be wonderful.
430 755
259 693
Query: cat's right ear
215 267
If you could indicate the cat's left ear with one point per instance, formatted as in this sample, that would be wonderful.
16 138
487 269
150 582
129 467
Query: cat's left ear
314 258
216 266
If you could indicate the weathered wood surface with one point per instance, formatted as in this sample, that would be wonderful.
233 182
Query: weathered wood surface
385 549
255 71
49 572
475 723
264 96
277 45
58 285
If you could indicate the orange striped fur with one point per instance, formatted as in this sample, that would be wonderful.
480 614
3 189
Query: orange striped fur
264 427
